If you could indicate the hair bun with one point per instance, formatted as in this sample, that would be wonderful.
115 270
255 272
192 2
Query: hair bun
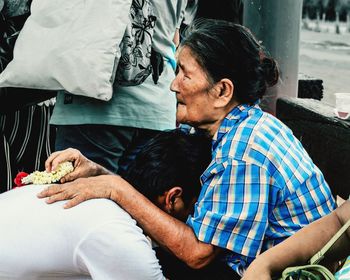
270 69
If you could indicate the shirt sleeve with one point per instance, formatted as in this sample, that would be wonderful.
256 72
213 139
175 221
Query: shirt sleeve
232 210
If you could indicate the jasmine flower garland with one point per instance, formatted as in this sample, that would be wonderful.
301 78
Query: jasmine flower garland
43 177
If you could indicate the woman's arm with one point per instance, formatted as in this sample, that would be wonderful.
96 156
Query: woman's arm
300 247
167 231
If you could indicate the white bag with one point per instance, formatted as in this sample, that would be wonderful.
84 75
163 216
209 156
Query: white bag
69 45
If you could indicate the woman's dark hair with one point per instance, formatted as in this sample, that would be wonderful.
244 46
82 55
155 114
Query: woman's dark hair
228 50
172 158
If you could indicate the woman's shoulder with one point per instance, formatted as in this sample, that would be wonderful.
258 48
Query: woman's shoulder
259 134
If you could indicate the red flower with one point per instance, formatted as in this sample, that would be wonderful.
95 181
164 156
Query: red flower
18 179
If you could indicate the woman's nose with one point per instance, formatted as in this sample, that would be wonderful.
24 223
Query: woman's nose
173 85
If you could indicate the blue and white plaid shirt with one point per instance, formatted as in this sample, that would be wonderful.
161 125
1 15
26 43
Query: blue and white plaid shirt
260 187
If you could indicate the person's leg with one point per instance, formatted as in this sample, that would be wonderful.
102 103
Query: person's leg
141 137
103 144
5 162
173 268
26 142
114 147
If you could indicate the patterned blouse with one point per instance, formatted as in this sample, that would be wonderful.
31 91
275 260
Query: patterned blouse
14 8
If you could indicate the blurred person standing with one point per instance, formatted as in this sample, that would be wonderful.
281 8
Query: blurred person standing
229 10
110 133
25 136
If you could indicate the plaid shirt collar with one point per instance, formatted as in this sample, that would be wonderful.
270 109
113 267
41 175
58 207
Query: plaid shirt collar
237 114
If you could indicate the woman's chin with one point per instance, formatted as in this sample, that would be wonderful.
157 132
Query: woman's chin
181 117
181 121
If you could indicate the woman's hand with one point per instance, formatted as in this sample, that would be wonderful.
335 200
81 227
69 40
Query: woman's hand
83 189
83 167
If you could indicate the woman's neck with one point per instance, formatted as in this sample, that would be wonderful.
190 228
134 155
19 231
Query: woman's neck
214 126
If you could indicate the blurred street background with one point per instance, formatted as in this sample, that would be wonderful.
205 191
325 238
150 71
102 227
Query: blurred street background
325 45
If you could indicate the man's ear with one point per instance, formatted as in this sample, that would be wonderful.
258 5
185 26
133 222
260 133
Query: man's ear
171 196
223 91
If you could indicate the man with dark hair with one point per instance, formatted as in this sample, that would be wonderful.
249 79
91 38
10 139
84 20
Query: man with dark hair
98 239
171 159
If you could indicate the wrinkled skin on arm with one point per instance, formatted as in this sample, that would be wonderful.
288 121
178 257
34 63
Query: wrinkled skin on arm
170 233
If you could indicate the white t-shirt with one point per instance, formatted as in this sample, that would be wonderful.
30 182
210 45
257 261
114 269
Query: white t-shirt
94 240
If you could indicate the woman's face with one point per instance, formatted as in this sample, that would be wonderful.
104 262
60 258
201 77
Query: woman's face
192 89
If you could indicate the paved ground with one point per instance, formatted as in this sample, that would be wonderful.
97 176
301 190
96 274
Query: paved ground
326 55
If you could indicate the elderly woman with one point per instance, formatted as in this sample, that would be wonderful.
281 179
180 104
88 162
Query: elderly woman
260 187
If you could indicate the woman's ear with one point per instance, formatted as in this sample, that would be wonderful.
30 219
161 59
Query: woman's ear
171 197
223 91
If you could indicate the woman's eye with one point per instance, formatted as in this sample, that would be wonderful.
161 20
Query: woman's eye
186 76
181 73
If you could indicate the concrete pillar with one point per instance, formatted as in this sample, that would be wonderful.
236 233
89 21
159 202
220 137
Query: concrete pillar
277 24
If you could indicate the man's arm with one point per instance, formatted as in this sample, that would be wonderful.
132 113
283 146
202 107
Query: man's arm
300 247
176 38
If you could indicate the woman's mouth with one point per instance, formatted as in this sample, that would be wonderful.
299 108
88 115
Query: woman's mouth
180 103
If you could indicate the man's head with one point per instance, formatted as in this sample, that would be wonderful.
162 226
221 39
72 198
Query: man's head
168 168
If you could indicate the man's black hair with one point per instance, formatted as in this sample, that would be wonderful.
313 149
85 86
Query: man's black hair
172 158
